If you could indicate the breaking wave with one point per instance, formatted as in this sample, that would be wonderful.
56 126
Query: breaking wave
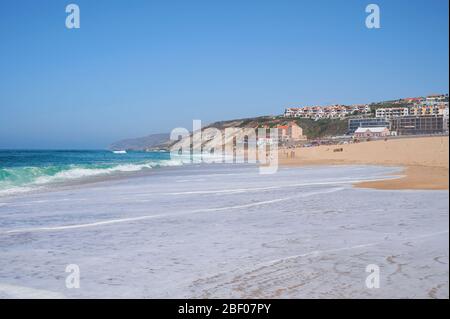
22 179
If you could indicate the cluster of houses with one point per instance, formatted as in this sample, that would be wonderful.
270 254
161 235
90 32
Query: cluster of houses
327 112
412 116
423 115
291 132
436 105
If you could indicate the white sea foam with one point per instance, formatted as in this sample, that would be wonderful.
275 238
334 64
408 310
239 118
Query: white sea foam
272 240
204 210
77 173
15 190
18 292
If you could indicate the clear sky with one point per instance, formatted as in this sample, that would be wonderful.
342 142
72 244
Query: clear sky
140 67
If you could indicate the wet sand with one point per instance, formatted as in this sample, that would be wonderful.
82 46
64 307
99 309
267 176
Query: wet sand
414 177
425 160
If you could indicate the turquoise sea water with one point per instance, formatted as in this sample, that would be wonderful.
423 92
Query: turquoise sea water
23 170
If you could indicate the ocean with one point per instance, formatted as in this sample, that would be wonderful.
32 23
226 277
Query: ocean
226 231
25 170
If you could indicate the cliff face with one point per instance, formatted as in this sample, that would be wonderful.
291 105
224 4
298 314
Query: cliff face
212 140
220 135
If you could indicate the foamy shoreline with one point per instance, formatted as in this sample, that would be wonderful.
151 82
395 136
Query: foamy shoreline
76 176
226 231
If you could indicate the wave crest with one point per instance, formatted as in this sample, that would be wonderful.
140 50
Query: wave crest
23 179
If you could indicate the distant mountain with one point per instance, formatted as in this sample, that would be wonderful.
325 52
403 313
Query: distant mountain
153 141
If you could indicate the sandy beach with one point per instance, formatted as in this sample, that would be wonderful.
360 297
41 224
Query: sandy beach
425 160
226 231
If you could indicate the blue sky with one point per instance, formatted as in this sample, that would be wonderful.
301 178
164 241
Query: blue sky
140 67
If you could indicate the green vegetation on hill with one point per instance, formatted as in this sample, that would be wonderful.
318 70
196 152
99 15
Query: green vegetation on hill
321 128
311 128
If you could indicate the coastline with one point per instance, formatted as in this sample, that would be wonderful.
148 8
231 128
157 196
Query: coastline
425 160
177 228
54 170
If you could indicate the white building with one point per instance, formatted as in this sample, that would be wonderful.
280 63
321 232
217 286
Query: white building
440 108
432 99
391 112
371 132
326 112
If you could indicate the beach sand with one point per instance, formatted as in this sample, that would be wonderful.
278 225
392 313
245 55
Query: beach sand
226 231
425 160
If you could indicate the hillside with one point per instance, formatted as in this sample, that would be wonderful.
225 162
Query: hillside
322 128
312 129
142 143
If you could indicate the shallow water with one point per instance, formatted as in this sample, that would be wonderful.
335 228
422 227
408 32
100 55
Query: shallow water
25 170
227 231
